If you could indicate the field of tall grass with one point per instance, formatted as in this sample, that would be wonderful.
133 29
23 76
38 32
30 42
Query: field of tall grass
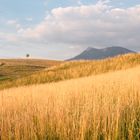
102 107
12 69
75 69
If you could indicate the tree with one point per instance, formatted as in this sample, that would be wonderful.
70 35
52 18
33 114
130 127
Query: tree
27 55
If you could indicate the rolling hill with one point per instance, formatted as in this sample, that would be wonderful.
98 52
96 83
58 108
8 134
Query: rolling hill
11 69
75 69
102 107
93 53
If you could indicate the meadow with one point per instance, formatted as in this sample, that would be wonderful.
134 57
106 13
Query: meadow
59 71
12 69
98 107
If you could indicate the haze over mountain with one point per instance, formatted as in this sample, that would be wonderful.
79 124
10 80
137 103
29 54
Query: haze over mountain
93 53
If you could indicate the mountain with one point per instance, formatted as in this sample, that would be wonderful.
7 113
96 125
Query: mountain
93 53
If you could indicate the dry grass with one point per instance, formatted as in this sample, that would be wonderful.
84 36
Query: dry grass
30 62
11 69
76 69
103 107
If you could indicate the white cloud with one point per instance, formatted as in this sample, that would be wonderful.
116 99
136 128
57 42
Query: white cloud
29 19
98 25
8 37
11 22
103 1
79 2
94 25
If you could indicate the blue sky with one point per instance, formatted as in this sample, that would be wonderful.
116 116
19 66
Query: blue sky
15 9
52 28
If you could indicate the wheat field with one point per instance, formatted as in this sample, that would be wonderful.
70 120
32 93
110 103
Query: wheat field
74 69
102 107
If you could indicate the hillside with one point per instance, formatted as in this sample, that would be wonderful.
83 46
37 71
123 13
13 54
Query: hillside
76 69
98 107
11 69
93 53
31 62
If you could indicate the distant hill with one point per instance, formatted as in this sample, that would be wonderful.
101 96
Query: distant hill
11 69
93 53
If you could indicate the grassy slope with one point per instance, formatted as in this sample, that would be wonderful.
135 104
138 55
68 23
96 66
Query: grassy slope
102 107
76 69
17 68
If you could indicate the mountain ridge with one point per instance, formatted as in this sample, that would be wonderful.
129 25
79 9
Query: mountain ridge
94 53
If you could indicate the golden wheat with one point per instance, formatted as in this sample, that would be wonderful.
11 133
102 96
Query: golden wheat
76 69
103 107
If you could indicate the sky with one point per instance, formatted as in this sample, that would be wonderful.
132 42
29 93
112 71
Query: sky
61 29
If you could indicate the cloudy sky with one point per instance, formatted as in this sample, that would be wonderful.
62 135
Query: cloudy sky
60 29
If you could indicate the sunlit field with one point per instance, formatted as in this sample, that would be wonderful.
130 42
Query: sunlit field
12 69
102 107
71 70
